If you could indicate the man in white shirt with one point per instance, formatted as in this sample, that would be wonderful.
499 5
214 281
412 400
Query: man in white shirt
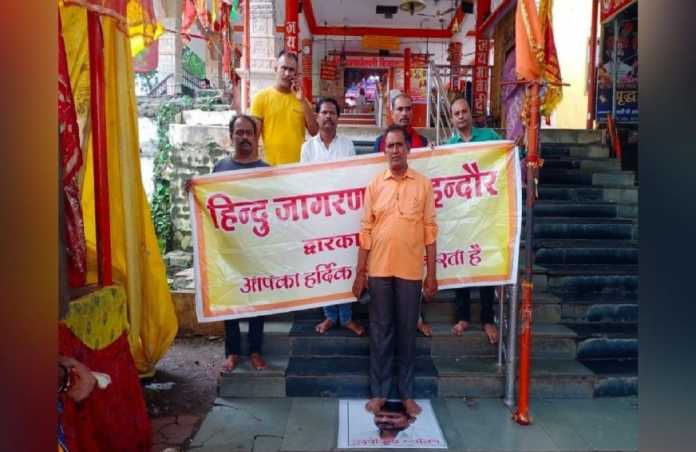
326 145
323 147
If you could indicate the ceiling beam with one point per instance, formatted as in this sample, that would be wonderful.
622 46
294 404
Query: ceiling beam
316 29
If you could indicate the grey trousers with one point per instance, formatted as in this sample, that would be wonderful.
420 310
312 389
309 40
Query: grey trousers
394 310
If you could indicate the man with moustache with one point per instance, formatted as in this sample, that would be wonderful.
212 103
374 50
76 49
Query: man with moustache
283 112
402 115
398 228
326 146
244 135
465 133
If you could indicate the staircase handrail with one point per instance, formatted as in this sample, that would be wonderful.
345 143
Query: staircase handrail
440 118
160 89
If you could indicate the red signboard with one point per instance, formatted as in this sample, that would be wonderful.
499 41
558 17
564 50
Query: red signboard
359 61
610 8
292 29
480 78
328 70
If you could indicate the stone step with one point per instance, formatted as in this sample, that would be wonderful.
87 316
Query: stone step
580 177
614 377
578 151
551 341
246 381
440 377
348 122
544 208
587 164
582 251
583 193
585 228
550 378
600 309
348 377
588 279
575 136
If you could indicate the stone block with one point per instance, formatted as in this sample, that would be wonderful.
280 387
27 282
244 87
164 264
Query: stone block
199 117
184 304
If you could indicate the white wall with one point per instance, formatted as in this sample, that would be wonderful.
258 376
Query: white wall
571 27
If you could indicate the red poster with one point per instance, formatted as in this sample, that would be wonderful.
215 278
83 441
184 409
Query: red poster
610 8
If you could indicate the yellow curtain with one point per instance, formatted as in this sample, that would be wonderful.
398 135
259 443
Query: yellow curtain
137 262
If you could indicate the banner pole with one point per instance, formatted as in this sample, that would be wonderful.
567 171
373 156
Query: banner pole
521 415
511 357
501 323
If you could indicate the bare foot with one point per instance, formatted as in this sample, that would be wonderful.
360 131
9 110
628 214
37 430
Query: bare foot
355 327
324 326
460 327
257 361
412 408
230 363
424 328
375 404
492 332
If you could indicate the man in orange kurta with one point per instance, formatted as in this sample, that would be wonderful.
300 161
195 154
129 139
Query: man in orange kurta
398 227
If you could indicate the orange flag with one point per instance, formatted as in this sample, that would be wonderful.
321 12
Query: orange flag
552 67
529 43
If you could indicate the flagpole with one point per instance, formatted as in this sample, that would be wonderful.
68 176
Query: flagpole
521 415
99 150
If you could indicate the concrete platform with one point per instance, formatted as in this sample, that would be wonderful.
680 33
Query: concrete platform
311 424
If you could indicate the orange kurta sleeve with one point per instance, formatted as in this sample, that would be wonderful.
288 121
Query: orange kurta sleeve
429 218
368 220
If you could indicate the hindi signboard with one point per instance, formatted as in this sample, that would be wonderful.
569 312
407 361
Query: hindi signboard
285 238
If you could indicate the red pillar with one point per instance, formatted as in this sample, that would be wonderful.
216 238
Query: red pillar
592 69
98 123
407 71
292 28
307 67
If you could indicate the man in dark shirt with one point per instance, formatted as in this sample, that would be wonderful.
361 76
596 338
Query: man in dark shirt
245 140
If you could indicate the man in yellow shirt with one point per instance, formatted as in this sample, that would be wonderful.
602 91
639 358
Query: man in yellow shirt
398 227
283 112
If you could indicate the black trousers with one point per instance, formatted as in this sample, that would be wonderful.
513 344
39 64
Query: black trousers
233 337
462 300
394 309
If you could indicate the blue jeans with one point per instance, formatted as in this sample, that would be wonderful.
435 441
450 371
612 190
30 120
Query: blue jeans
341 311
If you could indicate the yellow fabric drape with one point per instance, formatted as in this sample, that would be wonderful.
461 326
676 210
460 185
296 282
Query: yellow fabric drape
98 318
137 262
143 29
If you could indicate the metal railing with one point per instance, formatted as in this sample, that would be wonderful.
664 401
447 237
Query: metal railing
438 112
438 109
161 88
379 110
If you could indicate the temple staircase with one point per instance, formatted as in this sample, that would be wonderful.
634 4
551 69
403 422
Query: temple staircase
585 302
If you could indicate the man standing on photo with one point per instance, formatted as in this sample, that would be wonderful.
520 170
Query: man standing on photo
398 228
283 112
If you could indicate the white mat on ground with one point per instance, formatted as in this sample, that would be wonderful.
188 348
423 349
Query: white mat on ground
391 428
